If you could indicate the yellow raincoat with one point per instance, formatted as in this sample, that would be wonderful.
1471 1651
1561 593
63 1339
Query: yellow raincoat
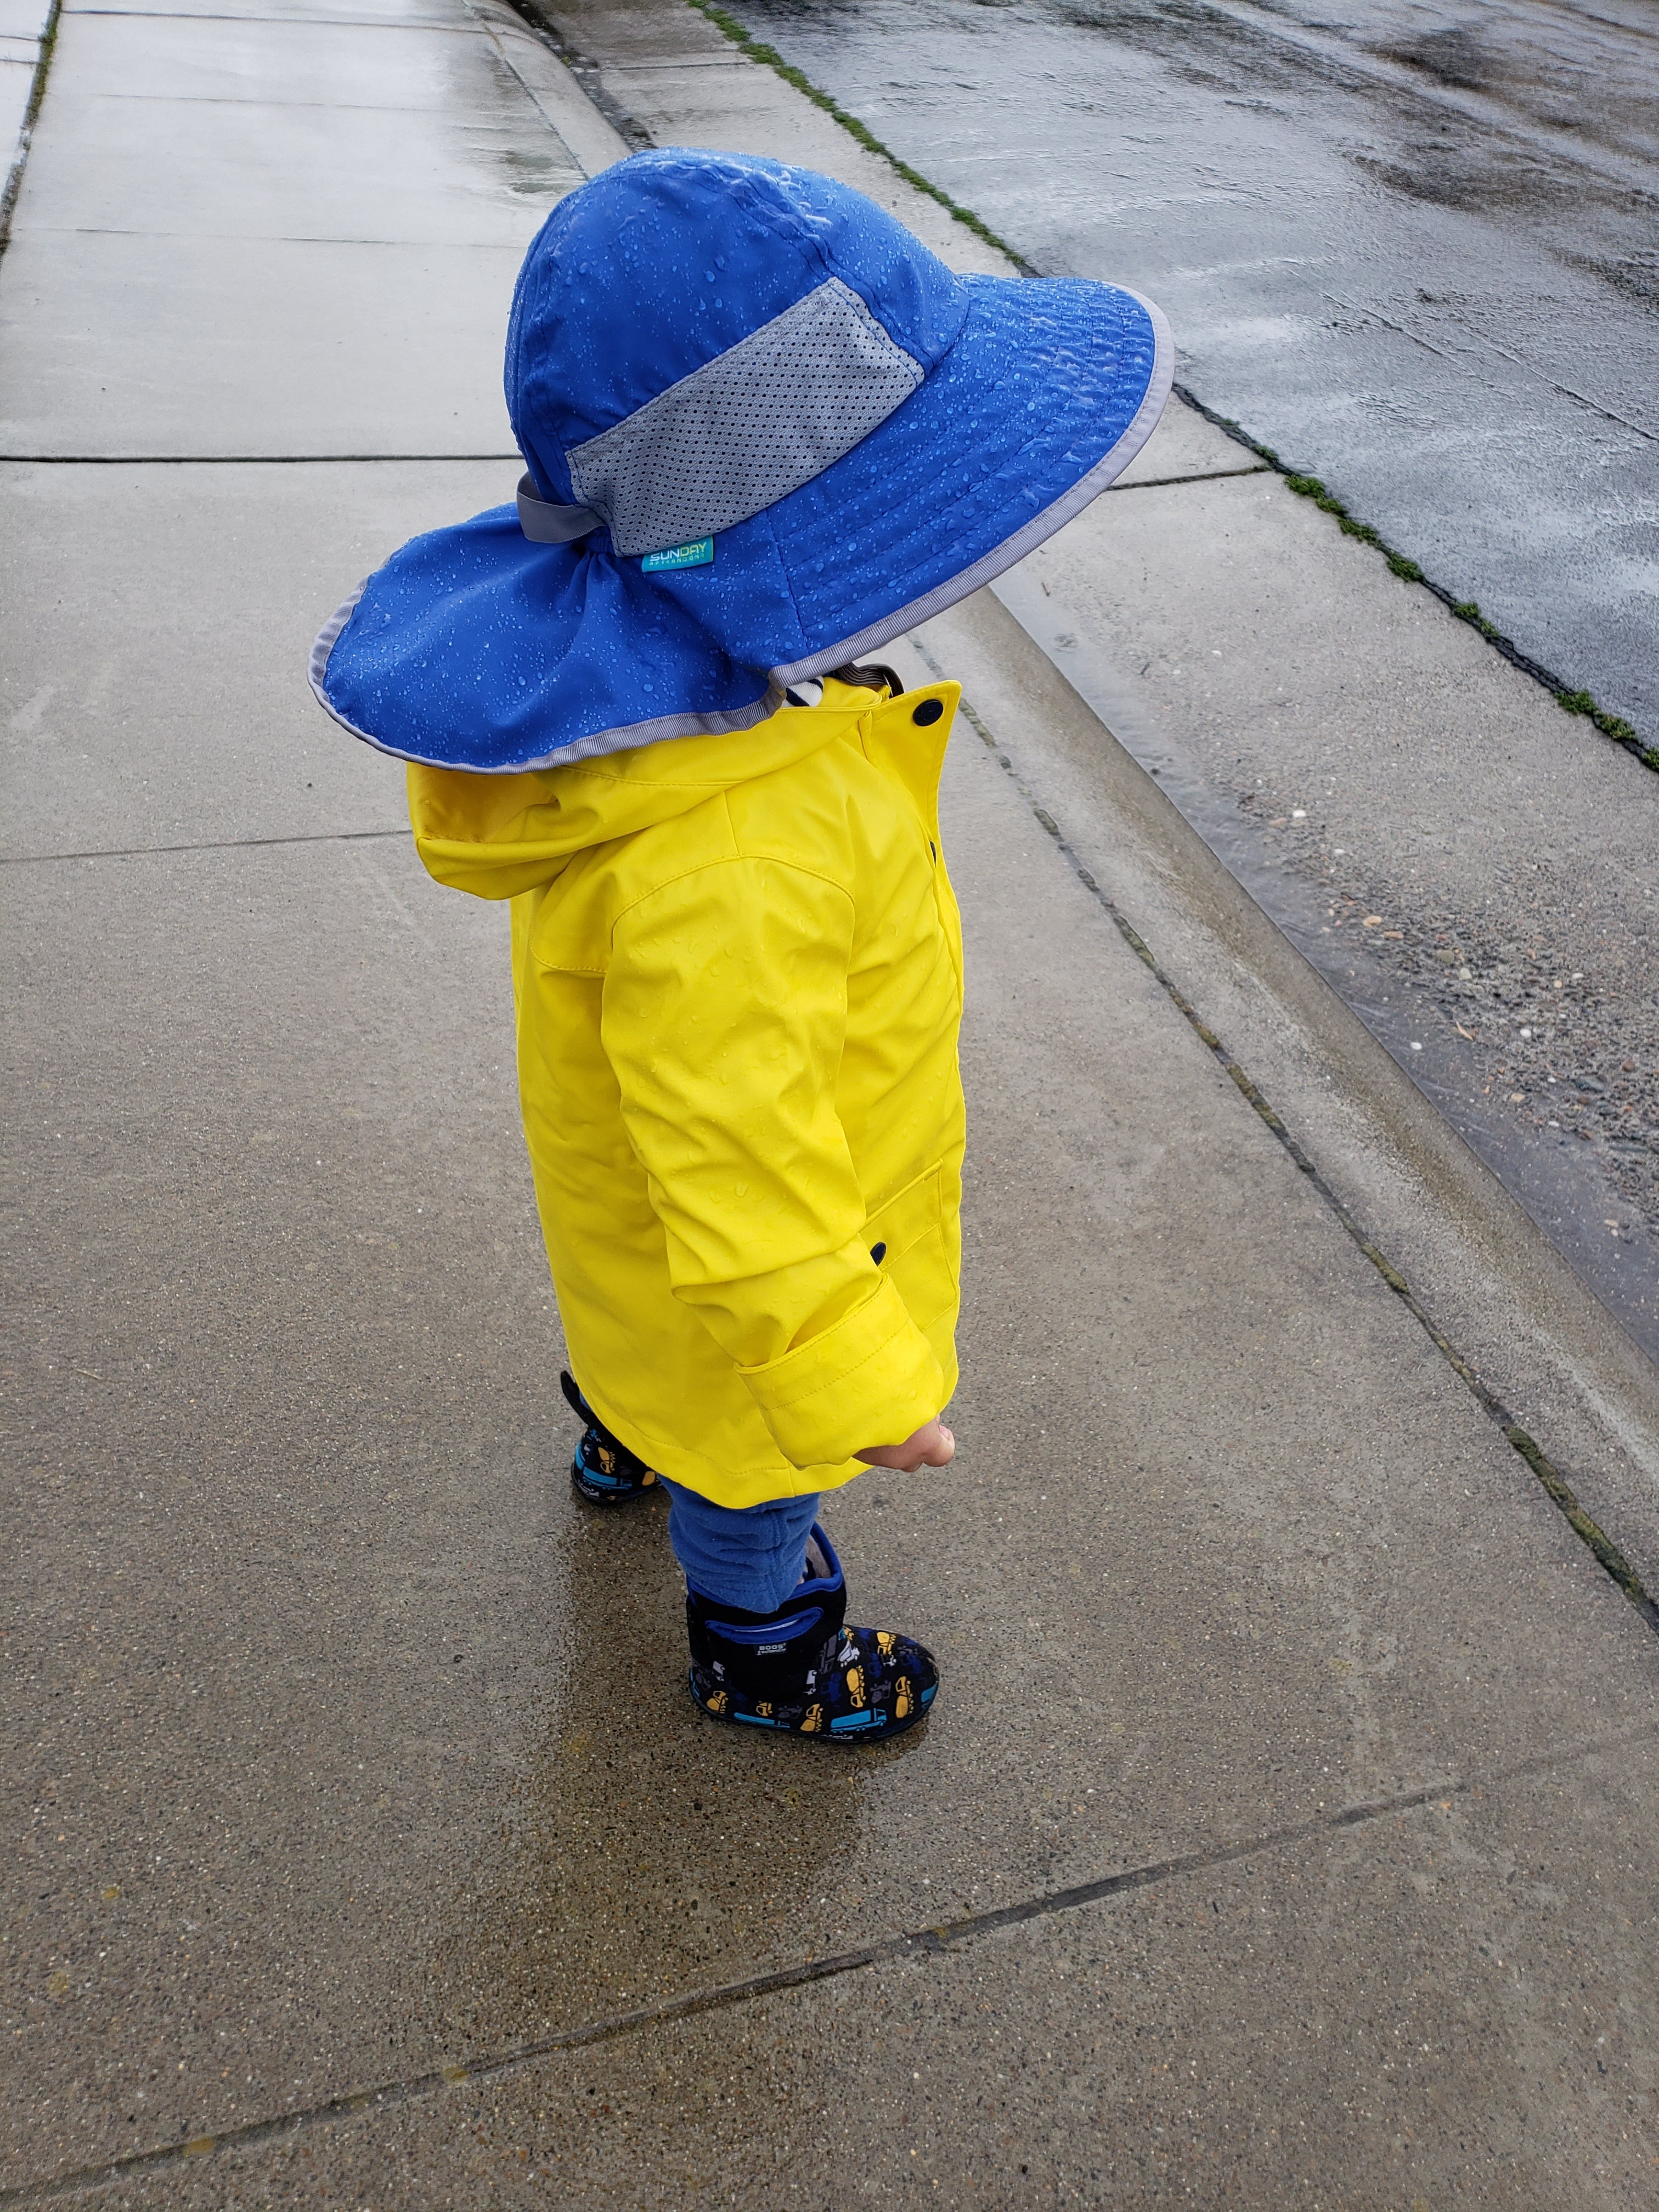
737 964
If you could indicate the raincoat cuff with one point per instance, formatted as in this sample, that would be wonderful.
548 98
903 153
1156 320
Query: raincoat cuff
872 1379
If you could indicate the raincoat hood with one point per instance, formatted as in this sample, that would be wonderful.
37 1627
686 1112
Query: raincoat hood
498 836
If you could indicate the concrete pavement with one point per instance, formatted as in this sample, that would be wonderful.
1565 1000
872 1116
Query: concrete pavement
1285 1831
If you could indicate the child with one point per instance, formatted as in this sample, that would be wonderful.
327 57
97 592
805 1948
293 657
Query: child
765 431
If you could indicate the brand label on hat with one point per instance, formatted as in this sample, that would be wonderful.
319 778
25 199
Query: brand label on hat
680 557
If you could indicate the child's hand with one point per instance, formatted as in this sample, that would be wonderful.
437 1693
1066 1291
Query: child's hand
932 1445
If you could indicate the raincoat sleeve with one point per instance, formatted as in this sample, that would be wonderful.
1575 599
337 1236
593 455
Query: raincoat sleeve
724 1010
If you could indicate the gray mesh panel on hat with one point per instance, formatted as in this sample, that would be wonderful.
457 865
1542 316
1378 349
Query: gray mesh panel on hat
756 424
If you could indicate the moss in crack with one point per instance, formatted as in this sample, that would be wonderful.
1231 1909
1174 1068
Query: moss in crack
1328 503
1589 1531
1469 610
1401 565
1611 725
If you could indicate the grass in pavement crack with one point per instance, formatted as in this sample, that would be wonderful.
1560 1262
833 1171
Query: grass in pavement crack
1402 564
1571 702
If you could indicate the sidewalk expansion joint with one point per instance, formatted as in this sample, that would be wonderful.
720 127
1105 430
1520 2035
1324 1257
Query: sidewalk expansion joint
1192 476
1554 1484
921 1943
208 845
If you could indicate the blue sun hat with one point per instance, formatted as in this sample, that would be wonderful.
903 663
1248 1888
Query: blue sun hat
765 431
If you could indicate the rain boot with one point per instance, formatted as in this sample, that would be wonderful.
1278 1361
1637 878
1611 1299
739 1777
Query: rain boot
604 1472
801 1669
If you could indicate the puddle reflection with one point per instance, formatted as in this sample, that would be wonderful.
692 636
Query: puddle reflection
643 1850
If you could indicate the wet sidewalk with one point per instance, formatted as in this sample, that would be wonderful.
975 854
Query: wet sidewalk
1285 1828
24 26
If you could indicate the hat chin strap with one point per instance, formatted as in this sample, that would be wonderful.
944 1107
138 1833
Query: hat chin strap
546 523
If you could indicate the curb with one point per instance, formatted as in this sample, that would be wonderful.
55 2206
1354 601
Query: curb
1602 1547
14 183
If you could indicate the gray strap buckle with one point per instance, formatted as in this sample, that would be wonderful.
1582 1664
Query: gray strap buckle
546 523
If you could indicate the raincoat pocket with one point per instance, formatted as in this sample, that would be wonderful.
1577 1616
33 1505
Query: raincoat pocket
906 1240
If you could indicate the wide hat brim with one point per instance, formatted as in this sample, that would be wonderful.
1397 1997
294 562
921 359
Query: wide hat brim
475 648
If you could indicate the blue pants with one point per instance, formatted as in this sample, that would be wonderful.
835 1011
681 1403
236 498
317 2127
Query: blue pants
749 1556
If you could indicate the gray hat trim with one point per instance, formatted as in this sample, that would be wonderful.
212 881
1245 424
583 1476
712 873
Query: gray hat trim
546 524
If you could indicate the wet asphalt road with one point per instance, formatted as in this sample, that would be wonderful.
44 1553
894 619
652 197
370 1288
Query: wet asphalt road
1415 250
